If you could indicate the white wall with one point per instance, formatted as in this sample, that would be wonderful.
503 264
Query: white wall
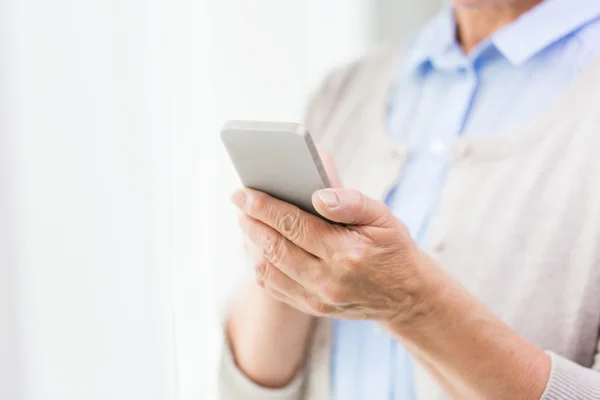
11 383
85 143
10 369
195 128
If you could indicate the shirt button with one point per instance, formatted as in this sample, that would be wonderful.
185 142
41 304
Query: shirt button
439 246
463 152
396 153
437 146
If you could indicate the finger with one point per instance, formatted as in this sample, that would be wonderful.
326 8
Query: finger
290 301
291 260
308 304
271 278
283 288
290 298
351 207
276 283
296 225
252 251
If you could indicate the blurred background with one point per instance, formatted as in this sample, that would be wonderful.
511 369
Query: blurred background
116 249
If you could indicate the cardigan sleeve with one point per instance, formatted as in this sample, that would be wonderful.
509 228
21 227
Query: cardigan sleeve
234 385
571 381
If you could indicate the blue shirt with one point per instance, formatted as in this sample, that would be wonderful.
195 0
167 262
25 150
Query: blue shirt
440 94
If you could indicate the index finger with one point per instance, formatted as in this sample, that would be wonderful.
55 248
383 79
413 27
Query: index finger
301 228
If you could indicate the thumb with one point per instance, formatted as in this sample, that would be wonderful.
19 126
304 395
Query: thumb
351 207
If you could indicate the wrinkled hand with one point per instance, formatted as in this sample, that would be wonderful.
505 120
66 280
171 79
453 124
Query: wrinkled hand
255 254
368 269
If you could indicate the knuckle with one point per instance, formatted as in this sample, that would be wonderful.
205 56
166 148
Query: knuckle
355 193
273 249
258 204
357 196
336 294
291 224
319 307
260 269
348 260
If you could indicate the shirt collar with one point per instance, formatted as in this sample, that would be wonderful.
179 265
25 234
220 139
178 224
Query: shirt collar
534 31
435 38
542 26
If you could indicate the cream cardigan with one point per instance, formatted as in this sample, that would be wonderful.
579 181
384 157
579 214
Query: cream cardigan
518 224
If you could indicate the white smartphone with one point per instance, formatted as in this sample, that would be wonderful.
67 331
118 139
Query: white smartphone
278 158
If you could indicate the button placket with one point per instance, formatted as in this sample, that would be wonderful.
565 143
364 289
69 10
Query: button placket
437 146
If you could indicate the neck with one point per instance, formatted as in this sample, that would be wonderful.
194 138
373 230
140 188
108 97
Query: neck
475 24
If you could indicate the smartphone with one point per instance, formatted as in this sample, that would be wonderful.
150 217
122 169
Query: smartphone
278 158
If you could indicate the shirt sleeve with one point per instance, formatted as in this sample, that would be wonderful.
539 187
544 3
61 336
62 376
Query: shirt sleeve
571 381
234 385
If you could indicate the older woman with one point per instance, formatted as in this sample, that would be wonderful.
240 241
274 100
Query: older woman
482 263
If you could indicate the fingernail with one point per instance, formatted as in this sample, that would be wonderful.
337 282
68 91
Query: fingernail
330 198
239 198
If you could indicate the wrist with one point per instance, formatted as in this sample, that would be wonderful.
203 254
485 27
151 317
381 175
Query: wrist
427 301
457 337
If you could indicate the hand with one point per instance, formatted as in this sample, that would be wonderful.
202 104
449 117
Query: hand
261 328
255 255
369 269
